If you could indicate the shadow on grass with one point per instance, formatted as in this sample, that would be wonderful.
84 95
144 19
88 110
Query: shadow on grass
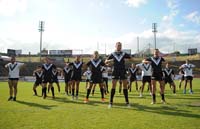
79 101
31 104
163 109
166 110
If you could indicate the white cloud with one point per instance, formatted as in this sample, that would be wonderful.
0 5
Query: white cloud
173 5
64 40
11 7
135 3
165 40
193 17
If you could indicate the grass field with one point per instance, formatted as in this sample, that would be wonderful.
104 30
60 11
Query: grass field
31 112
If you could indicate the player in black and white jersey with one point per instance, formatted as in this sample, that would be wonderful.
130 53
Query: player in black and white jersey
55 73
182 78
188 74
168 77
67 74
105 70
157 75
132 71
47 68
146 69
38 73
88 75
119 71
95 65
13 77
76 75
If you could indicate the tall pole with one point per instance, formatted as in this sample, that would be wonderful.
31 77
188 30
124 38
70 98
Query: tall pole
138 46
105 48
149 49
41 29
97 46
154 30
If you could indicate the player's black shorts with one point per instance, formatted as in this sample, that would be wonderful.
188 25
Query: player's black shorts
96 79
67 80
168 80
105 79
182 78
13 79
157 76
76 77
188 78
87 80
47 80
119 74
38 82
146 79
132 79
55 80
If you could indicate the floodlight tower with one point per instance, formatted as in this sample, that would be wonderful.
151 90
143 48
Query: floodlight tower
41 29
154 30
138 51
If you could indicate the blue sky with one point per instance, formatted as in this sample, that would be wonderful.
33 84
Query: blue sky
82 24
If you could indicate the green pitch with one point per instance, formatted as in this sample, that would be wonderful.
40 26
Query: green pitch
31 112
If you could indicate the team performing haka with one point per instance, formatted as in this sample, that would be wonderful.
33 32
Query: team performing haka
67 74
76 76
169 77
119 72
38 73
146 69
13 77
88 75
97 73
95 65
188 75
157 75
132 71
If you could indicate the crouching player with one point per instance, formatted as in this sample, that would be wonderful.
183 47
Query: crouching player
38 73
168 77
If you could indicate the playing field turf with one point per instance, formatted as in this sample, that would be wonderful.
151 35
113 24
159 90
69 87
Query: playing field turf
31 112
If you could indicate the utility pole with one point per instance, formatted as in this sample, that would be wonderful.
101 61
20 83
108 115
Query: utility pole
154 30
138 46
105 48
149 52
41 29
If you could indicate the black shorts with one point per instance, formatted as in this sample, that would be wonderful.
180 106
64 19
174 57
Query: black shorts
132 79
55 81
76 77
105 79
96 79
168 80
146 79
189 78
87 80
38 82
67 80
119 74
13 79
47 80
182 78
157 76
